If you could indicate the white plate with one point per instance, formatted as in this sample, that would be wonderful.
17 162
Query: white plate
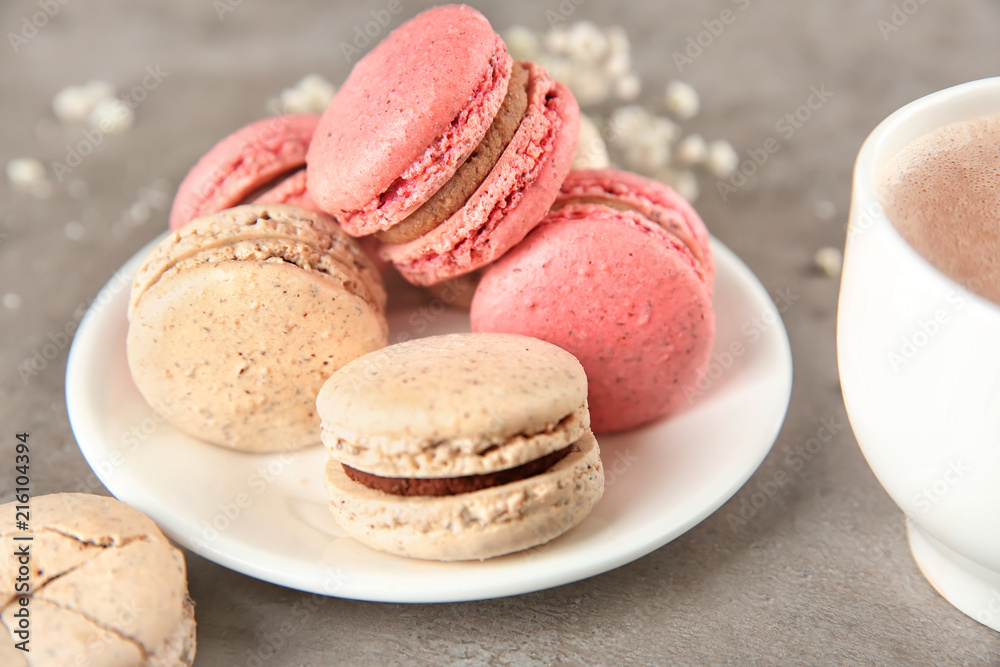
266 515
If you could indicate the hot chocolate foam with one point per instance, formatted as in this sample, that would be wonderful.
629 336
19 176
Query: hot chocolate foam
942 192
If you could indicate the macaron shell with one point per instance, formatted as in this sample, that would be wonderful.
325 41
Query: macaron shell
471 526
656 201
64 637
312 238
250 344
511 201
387 457
412 109
291 191
104 576
629 304
241 163
437 406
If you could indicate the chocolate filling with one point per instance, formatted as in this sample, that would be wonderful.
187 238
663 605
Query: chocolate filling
256 193
450 486
471 174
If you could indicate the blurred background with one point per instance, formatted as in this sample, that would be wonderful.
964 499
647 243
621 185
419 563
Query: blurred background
783 95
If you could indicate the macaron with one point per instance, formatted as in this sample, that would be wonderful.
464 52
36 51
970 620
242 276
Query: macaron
237 319
460 447
103 586
443 146
263 162
620 274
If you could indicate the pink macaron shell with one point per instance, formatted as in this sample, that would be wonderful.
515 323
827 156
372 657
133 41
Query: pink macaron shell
655 200
241 163
629 304
291 191
512 200
409 114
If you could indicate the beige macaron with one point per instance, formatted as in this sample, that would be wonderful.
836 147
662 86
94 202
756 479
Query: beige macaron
237 319
460 447
105 587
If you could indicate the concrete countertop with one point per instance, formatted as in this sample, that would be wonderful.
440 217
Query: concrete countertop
819 574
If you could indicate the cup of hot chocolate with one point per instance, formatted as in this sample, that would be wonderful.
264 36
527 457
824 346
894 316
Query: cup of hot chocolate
918 332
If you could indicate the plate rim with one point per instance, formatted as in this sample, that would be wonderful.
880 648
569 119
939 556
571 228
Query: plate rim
86 429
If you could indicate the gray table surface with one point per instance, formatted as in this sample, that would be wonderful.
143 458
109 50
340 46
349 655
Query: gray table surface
821 574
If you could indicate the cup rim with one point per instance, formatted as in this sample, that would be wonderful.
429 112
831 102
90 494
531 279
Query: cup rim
863 181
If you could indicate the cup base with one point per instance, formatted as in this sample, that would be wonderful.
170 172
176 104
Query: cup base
971 588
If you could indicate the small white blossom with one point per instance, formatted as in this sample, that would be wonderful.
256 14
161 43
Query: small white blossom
25 171
682 100
591 151
557 40
587 44
627 87
830 261
74 104
722 158
691 150
111 116
522 43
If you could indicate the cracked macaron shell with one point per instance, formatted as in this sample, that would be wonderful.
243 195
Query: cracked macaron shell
103 578
453 405
237 320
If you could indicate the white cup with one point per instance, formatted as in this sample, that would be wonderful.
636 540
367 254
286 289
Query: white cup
919 363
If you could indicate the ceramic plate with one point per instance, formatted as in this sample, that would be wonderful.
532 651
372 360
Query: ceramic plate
267 516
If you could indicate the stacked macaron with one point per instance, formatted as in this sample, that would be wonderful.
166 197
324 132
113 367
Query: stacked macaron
443 146
460 447
449 160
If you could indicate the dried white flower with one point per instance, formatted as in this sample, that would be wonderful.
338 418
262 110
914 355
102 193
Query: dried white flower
682 100
627 87
691 150
557 40
12 301
312 94
587 44
663 130
722 158
522 43
111 116
830 261
74 104
588 90
591 151
25 171
626 123
647 155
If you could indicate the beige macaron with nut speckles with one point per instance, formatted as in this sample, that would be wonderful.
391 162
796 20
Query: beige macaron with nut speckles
460 447
105 586
237 319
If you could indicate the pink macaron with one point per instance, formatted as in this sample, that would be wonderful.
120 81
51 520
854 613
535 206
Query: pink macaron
620 274
443 146
263 163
